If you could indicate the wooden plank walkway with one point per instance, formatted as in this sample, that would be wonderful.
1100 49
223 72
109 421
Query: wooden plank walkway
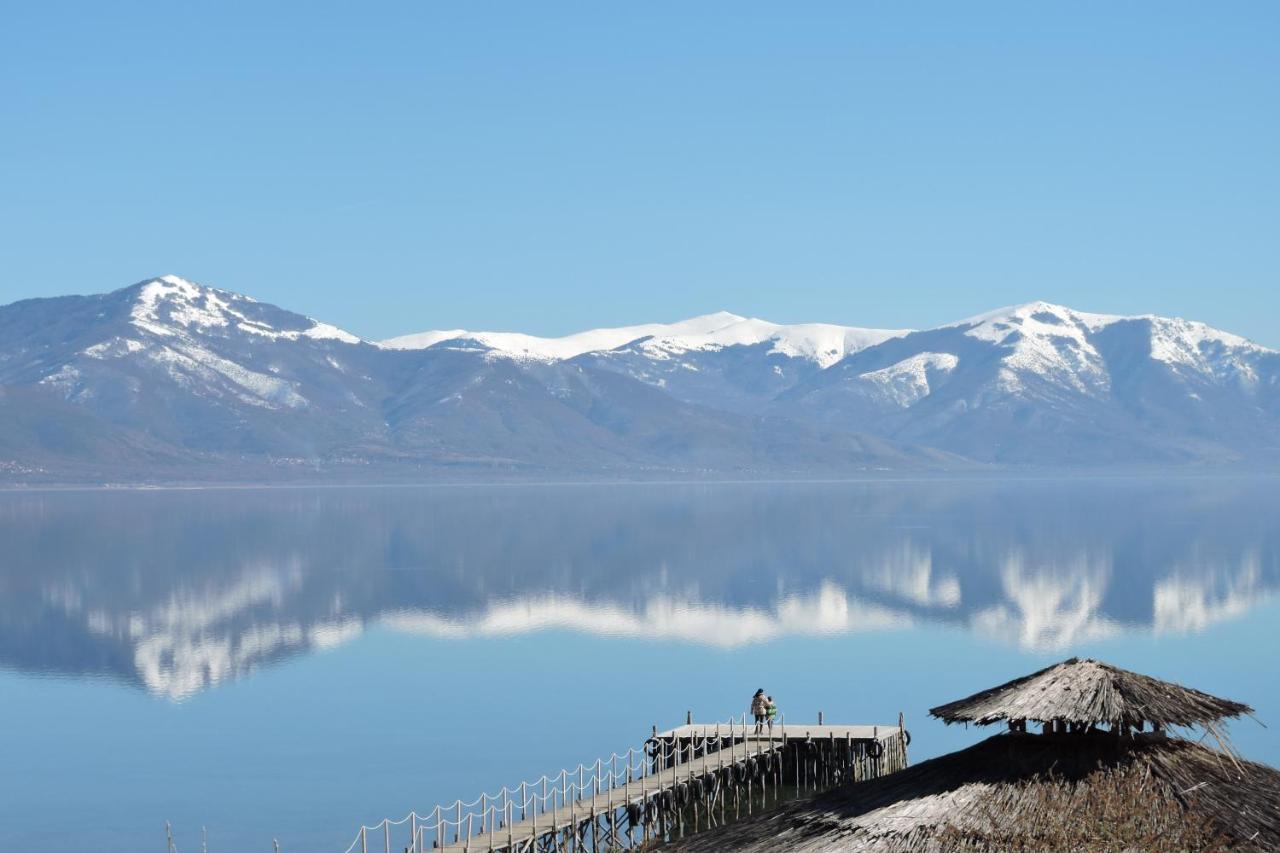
789 730
675 784
521 833
524 834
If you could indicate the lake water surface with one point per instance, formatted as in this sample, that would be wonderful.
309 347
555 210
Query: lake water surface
288 663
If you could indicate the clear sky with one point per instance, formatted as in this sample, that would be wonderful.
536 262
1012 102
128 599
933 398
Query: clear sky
551 166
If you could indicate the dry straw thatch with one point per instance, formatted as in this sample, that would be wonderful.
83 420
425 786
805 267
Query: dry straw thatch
1015 791
1089 691
1072 788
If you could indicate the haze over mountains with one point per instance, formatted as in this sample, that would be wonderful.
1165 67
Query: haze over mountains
170 380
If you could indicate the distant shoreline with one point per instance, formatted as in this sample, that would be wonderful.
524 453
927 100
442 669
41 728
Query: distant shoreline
1008 476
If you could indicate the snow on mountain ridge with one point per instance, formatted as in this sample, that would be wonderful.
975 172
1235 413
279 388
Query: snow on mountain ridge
1053 342
823 343
534 348
1046 318
1049 341
171 300
1042 334
994 325
193 371
1212 353
1043 345
907 381
173 318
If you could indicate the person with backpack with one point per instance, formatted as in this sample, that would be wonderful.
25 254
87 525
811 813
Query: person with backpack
770 711
760 709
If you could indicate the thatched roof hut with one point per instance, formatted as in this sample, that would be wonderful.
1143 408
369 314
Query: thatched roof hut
1072 788
1089 691
1028 792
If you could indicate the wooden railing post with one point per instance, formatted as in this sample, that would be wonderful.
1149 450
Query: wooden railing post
875 761
902 739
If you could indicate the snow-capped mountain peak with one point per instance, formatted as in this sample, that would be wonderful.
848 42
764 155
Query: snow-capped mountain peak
171 305
1059 344
1047 341
1046 318
161 303
1033 318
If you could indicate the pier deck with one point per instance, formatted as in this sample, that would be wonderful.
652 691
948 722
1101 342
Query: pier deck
684 779
568 825
788 731
582 811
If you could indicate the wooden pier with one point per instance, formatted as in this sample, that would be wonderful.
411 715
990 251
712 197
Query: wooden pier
680 781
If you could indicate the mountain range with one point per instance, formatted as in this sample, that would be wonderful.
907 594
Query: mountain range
168 380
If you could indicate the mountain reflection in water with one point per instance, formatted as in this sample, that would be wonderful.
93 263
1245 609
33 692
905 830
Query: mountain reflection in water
180 590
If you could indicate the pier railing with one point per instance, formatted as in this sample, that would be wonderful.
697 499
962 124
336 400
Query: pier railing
650 790
549 802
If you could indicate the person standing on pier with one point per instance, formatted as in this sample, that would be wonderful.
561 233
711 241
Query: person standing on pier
770 711
759 709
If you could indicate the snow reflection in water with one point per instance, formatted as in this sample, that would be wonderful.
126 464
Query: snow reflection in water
182 591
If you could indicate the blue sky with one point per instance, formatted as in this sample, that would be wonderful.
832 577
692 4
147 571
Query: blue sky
553 166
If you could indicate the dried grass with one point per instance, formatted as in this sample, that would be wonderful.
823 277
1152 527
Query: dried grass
1085 791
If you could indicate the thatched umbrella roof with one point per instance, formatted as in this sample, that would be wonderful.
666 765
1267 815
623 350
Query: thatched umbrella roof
1089 691
1018 791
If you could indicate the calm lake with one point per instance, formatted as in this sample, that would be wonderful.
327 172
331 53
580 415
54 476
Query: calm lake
287 663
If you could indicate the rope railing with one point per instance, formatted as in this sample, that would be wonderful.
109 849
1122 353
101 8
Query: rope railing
558 798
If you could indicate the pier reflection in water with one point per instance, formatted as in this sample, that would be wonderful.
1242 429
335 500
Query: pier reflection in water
487 599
